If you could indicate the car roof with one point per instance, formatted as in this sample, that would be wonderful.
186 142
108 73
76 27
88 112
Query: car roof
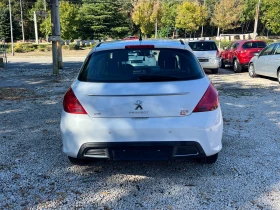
201 41
158 43
244 41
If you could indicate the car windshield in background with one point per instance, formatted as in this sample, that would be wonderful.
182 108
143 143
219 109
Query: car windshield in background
203 46
141 65
249 45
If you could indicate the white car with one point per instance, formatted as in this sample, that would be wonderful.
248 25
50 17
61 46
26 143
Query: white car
267 62
165 110
207 54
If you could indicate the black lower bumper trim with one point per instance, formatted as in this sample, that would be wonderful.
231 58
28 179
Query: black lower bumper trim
144 150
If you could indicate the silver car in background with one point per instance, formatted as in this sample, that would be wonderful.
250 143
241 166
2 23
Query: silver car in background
207 54
267 63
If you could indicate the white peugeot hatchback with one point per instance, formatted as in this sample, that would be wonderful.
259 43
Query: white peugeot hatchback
165 110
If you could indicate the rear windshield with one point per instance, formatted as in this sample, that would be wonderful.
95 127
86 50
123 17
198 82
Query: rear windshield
141 65
248 45
203 46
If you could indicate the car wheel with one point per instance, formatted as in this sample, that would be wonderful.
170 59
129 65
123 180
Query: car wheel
222 64
251 70
236 66
78 161
208 160
278 76
215 71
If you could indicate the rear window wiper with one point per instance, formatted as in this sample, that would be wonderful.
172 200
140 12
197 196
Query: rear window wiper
155 78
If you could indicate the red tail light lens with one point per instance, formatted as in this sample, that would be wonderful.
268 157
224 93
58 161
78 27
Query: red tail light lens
209 101
71 104
217 54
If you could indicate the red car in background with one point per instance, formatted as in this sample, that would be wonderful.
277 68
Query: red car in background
130 38
239 53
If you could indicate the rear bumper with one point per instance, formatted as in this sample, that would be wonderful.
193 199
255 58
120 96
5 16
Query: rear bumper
200 130
211 64
141 150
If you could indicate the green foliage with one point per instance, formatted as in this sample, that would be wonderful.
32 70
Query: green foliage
71 46
190 16
145 14
227 14
44 47
169 13
24 47
4 22
68 21
271 15
102 20
249 10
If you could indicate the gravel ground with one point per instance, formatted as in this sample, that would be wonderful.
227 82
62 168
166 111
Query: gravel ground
35 174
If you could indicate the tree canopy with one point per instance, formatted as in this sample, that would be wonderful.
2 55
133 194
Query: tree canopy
90 19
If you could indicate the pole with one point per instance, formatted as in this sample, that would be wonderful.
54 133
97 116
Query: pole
59 44
11 26
56 42
256 19
22 26
36 28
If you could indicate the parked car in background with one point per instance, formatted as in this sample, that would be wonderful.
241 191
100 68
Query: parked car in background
239 53
267 62
130 38
207 54
142 58
160 110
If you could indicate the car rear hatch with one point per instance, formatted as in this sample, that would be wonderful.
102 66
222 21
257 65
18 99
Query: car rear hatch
205 51
250 48
109 85
135 100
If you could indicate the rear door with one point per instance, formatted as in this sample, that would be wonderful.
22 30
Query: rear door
273 61
225 53
261 64
232 52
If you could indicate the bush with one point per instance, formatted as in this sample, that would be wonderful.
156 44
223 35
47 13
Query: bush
24 47
73 47
44 47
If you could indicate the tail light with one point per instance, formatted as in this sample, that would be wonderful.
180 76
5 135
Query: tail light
217 54
71 104
209 101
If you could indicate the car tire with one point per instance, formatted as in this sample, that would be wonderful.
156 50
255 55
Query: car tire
223 64
78 161
251 71
236 66
278 75
208 160
215 71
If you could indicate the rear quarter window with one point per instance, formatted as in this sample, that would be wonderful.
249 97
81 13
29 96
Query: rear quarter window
249 45
203 46
141 65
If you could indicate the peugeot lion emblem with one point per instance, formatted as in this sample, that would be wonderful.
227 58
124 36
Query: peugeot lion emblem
138 104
